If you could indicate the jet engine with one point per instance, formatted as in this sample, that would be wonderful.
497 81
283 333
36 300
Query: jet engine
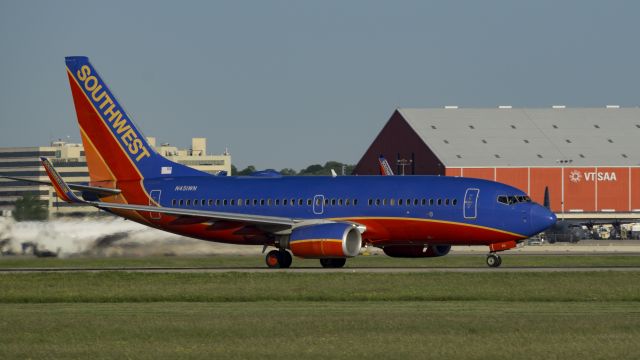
331 240
416 251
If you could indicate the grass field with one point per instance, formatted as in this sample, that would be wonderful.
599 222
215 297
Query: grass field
494 315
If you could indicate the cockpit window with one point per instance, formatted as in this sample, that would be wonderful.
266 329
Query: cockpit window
513 199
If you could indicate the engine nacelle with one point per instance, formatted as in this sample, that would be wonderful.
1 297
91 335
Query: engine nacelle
416 251
331 240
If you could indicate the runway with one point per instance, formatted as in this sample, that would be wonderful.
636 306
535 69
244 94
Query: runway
308 270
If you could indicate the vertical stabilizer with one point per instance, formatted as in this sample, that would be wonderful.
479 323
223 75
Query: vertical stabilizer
114 147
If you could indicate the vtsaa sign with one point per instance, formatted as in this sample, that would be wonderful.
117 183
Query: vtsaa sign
577 176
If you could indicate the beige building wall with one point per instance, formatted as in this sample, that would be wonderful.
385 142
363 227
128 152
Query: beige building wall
70 161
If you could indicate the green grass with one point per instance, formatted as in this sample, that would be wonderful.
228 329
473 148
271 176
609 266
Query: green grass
509 260
321 330
496 315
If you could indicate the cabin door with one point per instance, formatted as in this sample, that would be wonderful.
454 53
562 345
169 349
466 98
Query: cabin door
318 204
155 201
470 206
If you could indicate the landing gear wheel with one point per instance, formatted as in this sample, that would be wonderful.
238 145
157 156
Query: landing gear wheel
273 259
285 259
494 260
333 263
278 259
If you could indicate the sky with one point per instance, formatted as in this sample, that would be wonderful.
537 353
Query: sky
293 83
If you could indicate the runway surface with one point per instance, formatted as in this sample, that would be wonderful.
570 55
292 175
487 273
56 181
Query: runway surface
322 270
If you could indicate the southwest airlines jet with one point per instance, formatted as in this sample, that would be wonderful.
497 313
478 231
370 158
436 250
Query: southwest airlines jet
329 218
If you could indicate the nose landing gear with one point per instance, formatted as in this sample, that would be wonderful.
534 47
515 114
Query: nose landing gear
494 260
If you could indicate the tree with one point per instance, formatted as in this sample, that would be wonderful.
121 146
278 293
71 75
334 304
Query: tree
248 170
288 172
29 208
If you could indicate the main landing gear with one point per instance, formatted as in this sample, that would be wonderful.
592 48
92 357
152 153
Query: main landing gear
333 263
278 259
494 260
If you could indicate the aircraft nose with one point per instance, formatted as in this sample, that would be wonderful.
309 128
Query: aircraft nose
541 218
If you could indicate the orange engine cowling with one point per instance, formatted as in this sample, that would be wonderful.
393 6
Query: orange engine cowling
416 251
331 240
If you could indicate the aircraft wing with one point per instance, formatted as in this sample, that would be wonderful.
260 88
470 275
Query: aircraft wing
211 215
64 192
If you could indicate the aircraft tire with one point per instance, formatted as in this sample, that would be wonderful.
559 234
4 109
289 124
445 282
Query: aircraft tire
273 259
494 260
333 263
285 259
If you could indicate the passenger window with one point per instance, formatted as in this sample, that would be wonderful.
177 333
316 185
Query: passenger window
408 202
377 202
355 202
210 202
268 202
246 202
455 202
415 202
430 202
392 202
424 202
277 202
370 202
446 202
285 202
293 202
339 202
309 202
384 202
439 202
188 202
180 202
261 202
239 202
217 202
224 202
399 201
347 202
255 202
333 202
173 203
195 202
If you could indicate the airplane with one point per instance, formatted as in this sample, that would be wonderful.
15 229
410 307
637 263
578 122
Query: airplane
329 218
385 168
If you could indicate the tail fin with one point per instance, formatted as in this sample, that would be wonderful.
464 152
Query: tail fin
114 147
385 168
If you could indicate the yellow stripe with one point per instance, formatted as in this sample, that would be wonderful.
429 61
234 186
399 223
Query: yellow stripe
355 219
295 242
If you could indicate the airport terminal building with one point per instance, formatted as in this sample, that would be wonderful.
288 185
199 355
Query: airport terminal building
69 159
589 158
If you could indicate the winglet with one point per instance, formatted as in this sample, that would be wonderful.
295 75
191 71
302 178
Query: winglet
62 189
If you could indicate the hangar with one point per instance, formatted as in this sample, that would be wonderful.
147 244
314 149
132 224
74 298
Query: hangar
589 158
